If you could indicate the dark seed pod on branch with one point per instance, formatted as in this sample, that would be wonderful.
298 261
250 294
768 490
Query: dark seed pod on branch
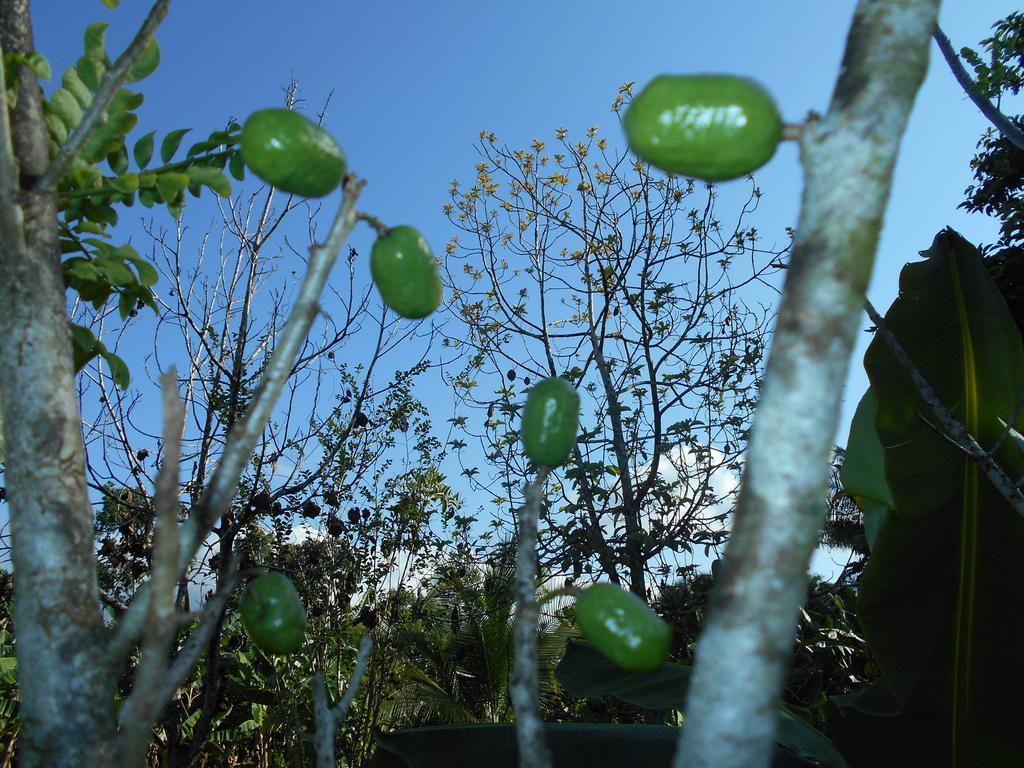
335 527
262 502
310 509
360 420
353 515
331 498
367 617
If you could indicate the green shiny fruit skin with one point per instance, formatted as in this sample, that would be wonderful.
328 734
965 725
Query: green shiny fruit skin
711 127
404 272
291 153
550 421
623 627
273 614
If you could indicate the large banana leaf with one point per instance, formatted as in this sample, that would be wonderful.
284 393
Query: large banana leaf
585 673
863 472
940 600
572 745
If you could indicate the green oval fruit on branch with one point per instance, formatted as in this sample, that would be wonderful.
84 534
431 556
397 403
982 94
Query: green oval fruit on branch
273 615
292 153
623 627
550 421
711 127
404 272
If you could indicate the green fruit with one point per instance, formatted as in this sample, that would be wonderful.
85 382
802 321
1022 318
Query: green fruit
404 272
292 153
273 615
712 127
623 627
550 421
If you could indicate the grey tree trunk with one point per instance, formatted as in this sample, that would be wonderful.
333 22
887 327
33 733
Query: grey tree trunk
67 690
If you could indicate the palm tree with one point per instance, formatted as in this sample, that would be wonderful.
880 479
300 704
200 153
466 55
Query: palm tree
456 655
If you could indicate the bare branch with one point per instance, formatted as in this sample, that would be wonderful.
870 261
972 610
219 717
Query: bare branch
112 80
143 705
848 158
525 688
1002 123
955 430
245 434
329 718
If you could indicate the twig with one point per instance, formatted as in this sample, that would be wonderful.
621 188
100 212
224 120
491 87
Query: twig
223 486
112 80
1002 123
381 228
143 705
954 429
328 718
848 157
525 689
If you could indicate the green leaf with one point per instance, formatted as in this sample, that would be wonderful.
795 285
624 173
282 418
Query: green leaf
127 183
933 599
94 39
118 369
147 272
171 143
111 3
118 160
64 105
170 183
58 130
114 270
585 673
83 344
147 62
212 178
38 64
90 71
237 166
72 82
143 150
863 472
109 137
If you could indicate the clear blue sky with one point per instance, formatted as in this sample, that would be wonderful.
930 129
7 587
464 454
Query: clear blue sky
415 82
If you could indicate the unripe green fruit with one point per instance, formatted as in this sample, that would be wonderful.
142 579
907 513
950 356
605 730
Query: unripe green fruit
550 421
273 615
623 627
711 127
291 153
404 272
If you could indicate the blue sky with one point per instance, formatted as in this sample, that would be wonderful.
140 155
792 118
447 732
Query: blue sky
414 83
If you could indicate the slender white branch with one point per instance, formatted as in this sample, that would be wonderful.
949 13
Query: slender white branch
143 704
525 688
111 81
848 156
326 718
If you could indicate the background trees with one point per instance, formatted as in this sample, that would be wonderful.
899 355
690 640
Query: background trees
574 259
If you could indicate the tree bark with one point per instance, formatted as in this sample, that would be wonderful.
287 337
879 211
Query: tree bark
848 158
67 691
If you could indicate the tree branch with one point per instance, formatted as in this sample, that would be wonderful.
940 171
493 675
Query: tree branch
988 109
327 718
525 690
143 705
112 80
956 432
848 158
